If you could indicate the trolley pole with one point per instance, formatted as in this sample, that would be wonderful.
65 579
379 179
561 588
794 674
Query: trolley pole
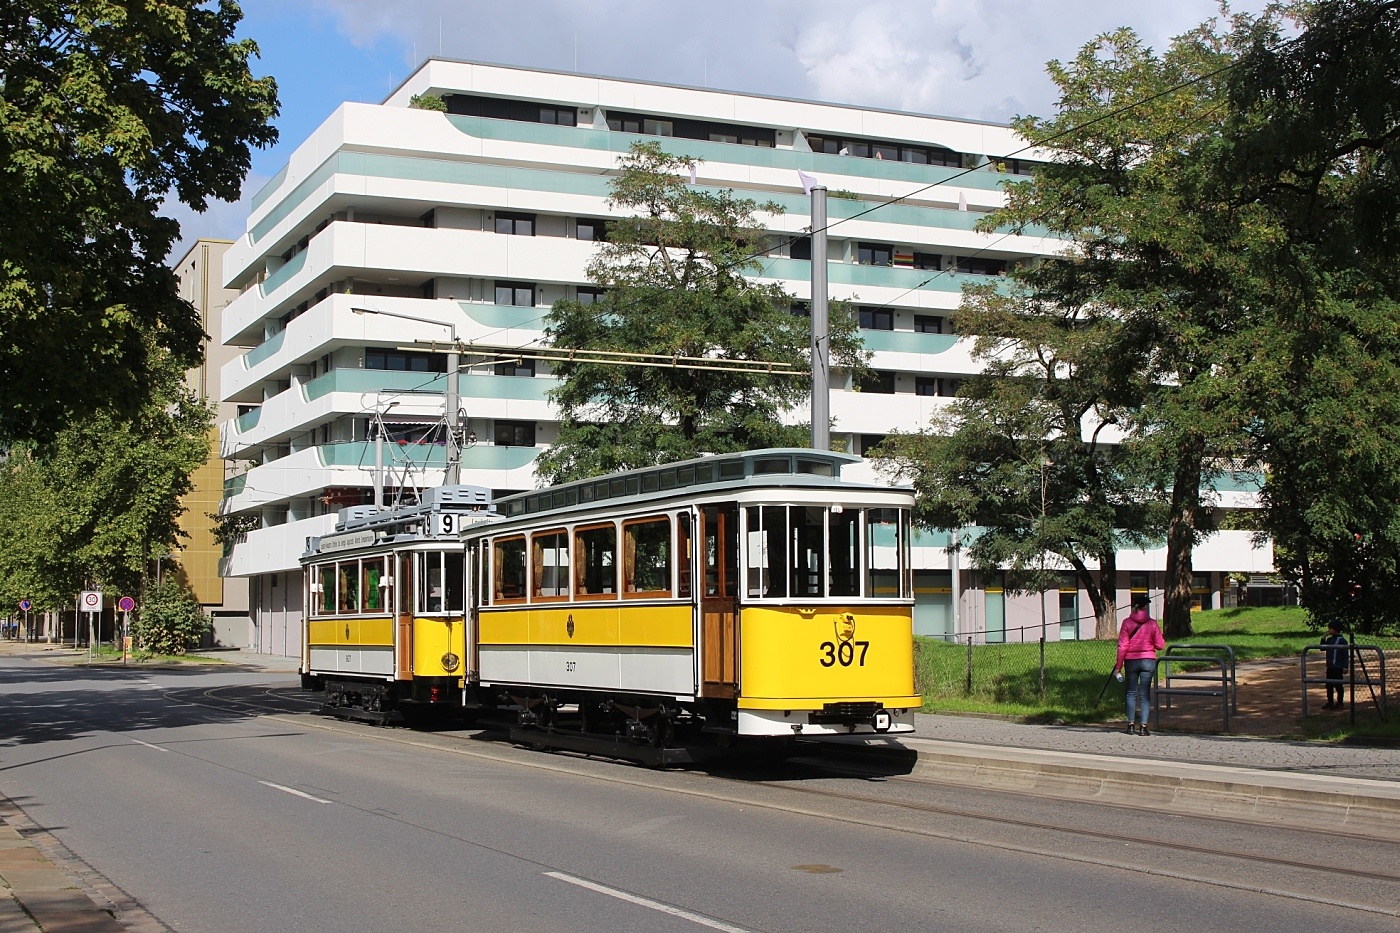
821 340
454 447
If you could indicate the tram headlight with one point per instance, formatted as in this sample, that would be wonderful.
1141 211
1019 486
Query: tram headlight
882 721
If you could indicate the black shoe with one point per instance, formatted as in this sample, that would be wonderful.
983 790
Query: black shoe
1131 730
1142 730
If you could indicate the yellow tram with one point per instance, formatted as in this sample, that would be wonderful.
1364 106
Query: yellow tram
383 631
743 595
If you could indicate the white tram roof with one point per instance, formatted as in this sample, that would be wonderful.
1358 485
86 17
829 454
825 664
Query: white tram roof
365 526
782 466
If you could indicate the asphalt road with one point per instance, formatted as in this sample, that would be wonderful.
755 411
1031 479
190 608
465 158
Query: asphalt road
217 816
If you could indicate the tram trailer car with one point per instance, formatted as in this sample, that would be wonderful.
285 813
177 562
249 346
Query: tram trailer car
750 596
383 635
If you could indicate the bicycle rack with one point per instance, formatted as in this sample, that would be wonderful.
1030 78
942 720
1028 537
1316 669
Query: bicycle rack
1228 654
1222 691
1356 655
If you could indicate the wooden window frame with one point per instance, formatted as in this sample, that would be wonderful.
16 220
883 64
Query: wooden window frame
496 577
340 566
536 568
576 559
628 562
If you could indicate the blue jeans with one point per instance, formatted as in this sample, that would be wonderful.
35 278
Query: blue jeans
1137 680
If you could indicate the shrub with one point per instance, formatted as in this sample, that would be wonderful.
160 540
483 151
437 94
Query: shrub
170 620
428 102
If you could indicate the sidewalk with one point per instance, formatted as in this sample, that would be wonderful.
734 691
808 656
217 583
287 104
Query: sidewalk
1307 785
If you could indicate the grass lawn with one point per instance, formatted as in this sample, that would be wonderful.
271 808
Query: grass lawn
1005 679
108 653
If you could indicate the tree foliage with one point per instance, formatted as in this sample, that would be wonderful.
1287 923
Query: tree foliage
103 499
675 282
106 109
169 620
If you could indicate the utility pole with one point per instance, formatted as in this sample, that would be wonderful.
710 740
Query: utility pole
454 445
821 342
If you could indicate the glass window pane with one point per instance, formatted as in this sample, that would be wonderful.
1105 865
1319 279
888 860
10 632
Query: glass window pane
767 550
595 561
327 582
504 295
505 225
808 550
549 557
647 557
371 575
508 569
683 546
845 553
349 586
455 580
882 551
524 227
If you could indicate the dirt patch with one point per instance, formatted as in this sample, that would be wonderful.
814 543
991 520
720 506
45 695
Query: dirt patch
1271 700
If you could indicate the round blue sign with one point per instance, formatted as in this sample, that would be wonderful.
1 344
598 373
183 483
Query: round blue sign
126 604
25 605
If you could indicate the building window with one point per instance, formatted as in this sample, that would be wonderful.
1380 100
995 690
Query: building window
874 254
800 309
925 385
658 127
928 324
515 224
878 381
588 296
978 265
801 248
876 318
627 124
949 387
592 229
868 442
520 294
515 434
516 367
404 361
559 116
929 261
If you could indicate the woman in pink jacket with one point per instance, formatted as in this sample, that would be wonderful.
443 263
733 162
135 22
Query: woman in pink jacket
1139 640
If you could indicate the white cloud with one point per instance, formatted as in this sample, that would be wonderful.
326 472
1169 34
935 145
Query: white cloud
980 60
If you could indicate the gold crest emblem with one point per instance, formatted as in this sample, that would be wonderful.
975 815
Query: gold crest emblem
845 626
569 626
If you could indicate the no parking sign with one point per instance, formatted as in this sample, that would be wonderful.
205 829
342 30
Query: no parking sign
25 605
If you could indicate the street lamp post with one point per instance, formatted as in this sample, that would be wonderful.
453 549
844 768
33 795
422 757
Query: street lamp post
452 402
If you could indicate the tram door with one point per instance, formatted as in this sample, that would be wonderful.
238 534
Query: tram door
403 615
719 603
472 616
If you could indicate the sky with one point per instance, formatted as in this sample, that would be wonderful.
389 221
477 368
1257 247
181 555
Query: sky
978 59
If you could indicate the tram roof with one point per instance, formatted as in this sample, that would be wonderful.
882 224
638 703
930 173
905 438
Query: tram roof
786 466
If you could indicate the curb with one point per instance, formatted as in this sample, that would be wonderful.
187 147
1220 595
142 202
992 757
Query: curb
1354 806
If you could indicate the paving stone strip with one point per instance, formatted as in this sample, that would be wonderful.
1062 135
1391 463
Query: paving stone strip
47 887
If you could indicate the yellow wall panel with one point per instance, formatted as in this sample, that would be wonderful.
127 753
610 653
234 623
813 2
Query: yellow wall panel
432 638
854 653
609 625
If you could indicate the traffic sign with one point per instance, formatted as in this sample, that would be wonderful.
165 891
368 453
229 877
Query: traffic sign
25 605
126 604
90 601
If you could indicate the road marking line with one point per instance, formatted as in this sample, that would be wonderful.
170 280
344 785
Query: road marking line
149 745
646 902
293 790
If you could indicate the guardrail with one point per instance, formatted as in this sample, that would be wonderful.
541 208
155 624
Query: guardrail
1356 658
1226 651
1222 678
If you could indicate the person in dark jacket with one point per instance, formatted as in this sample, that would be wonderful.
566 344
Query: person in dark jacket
1337 657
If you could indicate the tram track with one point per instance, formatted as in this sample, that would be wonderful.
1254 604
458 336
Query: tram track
283 702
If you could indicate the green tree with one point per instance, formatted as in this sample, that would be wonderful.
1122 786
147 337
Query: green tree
106 109
103 499
674 280
169 620
1313 147
1025 453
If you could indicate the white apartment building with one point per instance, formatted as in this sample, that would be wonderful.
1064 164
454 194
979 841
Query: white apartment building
393 226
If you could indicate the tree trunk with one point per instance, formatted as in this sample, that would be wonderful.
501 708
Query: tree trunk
1106 623
1181 537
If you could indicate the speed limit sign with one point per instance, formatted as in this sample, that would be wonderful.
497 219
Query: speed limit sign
90 601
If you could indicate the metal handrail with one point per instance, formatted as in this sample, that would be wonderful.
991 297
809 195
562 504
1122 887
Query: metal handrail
1229 651
1355 653
1223 678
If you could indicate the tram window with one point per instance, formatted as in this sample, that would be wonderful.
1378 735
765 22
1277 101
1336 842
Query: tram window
549 564
371 575
767 550
456 579
772 465
684 549
349 586
326 578
595 561
845 553
646 557
808 550
814 467
508 570
430 581
882 553
403 585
